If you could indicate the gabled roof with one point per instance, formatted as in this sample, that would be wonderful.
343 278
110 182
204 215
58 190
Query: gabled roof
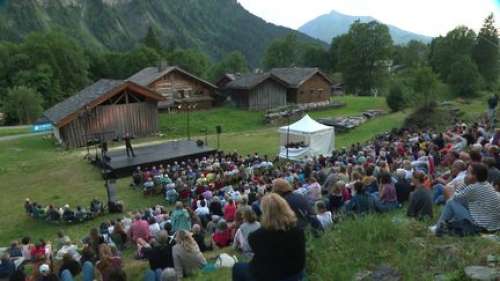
296 76
95 94
250 81
151 74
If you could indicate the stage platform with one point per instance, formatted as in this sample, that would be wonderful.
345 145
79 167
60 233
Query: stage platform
145 156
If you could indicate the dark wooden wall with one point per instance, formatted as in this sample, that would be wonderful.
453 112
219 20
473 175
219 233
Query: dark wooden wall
316 89
138 119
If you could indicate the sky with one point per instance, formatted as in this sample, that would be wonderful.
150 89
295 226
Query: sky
428 17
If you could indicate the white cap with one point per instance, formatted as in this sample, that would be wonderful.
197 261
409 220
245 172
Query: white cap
44 268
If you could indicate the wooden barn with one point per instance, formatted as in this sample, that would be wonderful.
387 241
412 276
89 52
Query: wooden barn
178 86
105 110
305 85
257 91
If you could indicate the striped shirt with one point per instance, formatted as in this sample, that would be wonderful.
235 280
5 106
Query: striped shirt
483 203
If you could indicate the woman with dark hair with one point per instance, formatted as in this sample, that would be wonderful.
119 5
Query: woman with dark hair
387 198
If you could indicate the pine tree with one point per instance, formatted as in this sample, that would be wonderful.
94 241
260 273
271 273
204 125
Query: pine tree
486 52
151 40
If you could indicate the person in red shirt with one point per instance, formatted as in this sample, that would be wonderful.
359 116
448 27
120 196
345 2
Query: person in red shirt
139 229
222 236
230 210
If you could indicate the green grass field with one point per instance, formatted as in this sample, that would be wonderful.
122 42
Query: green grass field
10 131
35 168
234 120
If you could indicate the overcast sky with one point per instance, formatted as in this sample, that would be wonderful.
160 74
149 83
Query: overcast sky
428 17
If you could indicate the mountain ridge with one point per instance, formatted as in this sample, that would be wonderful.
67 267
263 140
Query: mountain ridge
216 27
333 24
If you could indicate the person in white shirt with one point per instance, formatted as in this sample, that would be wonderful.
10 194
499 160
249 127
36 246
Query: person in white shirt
324 216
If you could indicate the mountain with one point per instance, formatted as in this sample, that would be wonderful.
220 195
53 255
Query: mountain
213 26
331 25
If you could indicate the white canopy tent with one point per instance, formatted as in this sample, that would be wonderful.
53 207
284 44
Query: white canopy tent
314 139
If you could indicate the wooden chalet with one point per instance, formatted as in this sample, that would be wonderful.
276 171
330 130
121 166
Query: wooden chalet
179 87
257 91
305 85
105 110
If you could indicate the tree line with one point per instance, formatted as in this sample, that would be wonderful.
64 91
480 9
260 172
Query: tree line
461 63
48 67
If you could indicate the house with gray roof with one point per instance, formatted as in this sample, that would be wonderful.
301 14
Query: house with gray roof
257 91
179 87
303 86
103 111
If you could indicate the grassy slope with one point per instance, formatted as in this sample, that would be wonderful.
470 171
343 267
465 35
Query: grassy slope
10 131
231 120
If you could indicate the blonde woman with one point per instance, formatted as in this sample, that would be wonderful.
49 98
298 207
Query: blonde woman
108 262
187 255
278 246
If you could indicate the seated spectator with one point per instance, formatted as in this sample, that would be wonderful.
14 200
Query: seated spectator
45 274
336 198
279 231
298 203
362 202
154 227
493 172
230 210
119 236
139 229
137 177
455 182
15 251
403 187
324 216
313 190
60 240
68 214
203 212
199 237
171 195
70 264
7 267
187 256
26 248
107 263
68 249
387 198
159 253
94 241
180 218
421 199
222 236
149 185
483 204
216 207
250 224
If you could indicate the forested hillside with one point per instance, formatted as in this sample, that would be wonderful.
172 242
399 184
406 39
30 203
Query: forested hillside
214 26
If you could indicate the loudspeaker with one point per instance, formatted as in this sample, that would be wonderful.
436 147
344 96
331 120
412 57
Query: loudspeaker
218 129
199 142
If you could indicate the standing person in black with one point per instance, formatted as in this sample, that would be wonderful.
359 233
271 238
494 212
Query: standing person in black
128 145
279 245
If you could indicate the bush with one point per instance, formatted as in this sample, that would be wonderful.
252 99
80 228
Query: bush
23 105
396 100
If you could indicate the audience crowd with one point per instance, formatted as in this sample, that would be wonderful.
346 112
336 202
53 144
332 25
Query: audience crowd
264 208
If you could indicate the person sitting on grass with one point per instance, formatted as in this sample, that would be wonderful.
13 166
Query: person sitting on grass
421 199
149 186
476 206
107 263
387 198
180 218
362 202
7 266
222 236
324 216
250 224
45 274
159 252
187 256
199 237
279 231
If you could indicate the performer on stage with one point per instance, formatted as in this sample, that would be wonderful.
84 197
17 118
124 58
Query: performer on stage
128 145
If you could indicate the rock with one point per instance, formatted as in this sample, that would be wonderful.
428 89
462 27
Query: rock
363 275
386 273
482 273
447 250
440 277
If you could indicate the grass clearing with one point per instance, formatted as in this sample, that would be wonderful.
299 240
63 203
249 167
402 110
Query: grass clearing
16 130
